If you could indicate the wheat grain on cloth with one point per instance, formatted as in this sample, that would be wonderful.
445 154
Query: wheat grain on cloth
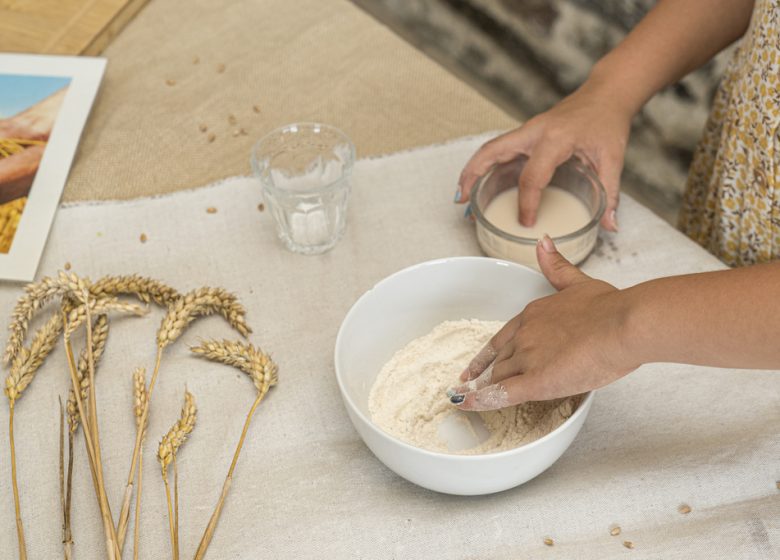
306 486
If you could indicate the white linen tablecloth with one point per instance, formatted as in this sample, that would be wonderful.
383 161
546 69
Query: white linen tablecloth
306 486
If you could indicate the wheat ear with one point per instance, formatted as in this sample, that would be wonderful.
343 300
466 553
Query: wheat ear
36 296
166 452
26 361
181 312
146 289
79 314
264 374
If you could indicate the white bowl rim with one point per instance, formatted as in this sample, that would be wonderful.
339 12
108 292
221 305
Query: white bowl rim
584 405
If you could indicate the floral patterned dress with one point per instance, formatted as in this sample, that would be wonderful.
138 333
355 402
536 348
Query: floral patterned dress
732 201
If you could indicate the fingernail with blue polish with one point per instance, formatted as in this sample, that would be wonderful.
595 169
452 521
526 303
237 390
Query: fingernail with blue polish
457 399
451 393
458 195
467 213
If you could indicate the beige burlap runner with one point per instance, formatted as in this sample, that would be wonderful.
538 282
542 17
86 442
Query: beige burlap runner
294 61
306 486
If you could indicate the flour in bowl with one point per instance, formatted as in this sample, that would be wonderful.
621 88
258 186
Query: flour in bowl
409 401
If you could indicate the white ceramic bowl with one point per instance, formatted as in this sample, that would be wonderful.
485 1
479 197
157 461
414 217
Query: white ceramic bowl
408 304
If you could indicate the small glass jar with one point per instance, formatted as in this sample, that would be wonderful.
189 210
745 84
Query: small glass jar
573 176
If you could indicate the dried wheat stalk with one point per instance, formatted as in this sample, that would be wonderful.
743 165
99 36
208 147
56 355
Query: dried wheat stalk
139 402
197 303
90 422
166 453
99 338
113 548
67 540
24 365
264 374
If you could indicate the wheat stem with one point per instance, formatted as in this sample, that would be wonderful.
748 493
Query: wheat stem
166 452
69 349
93 418
170 515
68 492
125 512
139 398
211 527
66 539
93 423
176 506
136 526
19 526
108 525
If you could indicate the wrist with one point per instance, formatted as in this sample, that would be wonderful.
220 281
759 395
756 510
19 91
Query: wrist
608 84
636 325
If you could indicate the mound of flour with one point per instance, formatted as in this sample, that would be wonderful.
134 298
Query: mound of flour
408 399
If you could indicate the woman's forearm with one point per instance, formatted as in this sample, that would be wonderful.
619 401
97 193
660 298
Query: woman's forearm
728 318
676 37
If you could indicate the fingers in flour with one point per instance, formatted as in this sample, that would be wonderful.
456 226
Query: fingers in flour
491 397
488 354
478 364
510 392
484 379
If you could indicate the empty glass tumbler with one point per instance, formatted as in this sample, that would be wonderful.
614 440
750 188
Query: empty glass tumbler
304 170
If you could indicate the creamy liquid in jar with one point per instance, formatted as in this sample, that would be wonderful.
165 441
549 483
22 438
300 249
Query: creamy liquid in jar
560 213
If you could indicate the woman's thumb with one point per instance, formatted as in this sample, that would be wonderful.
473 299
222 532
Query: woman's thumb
560 272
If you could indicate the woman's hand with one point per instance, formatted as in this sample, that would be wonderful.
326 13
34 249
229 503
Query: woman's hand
591 123
560 345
